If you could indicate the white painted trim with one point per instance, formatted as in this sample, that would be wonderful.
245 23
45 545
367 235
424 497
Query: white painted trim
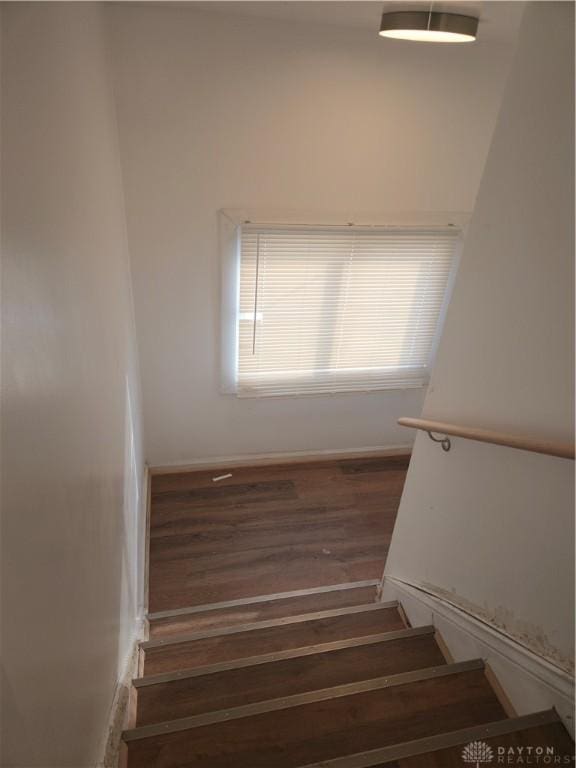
145 554
531 682
317 218
288 457
230 222
117 719
229 245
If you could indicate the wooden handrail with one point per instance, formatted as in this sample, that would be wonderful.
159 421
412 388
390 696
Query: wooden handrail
522 443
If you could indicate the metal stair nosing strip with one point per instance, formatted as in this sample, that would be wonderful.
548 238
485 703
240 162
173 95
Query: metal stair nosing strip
268 624
404 750
300 699
293 653
207 607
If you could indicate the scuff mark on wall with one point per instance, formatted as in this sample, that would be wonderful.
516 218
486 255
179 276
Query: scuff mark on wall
502 619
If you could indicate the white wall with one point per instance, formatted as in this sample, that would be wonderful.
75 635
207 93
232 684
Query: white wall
71 433
486 527
223 111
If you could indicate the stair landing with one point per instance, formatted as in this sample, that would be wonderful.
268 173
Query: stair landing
268 646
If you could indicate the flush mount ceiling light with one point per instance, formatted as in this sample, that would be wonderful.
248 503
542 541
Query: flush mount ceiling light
429 26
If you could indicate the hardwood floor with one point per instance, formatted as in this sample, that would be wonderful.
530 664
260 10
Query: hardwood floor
256 682
268 643
295 736
198 651
260 611
270 529
518 749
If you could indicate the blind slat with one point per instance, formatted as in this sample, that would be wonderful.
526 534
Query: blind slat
335 310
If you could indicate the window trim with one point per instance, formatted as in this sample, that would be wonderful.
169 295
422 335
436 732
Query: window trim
230 224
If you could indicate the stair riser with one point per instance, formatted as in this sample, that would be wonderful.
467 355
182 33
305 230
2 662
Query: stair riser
245 614
212 650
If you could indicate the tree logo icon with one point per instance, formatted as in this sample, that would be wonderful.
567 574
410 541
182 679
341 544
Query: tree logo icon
477 752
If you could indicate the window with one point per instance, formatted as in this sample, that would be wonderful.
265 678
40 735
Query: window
339 309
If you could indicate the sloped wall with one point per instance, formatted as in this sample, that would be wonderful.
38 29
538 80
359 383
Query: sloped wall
490 528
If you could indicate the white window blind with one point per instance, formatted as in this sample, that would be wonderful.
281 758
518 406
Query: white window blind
339 309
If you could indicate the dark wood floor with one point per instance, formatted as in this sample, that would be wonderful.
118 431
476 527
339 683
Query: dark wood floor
270 529
326 729
308 677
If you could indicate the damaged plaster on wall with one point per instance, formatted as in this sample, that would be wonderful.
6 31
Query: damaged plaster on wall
502 619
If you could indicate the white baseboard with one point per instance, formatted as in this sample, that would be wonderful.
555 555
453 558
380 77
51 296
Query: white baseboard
288 457
531 682
110 752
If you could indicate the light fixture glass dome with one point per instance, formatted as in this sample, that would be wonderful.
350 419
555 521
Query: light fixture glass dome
432 27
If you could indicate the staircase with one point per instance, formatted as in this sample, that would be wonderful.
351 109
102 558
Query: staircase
319 678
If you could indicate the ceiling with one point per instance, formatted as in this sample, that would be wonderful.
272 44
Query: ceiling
499 19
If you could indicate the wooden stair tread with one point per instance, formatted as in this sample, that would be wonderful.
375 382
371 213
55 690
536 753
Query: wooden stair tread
318 677
197 620
326 728
246 684
553 735
184 652
540 729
